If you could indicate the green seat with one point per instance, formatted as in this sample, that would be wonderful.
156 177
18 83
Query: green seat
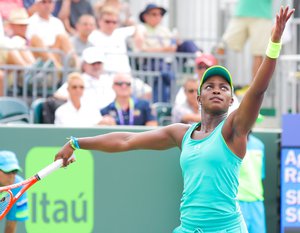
36 111
163 113
13 110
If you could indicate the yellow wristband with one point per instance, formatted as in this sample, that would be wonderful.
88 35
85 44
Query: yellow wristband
273 49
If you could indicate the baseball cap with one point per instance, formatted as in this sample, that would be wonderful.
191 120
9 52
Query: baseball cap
216 71
207 59
18 16
8 161
92 54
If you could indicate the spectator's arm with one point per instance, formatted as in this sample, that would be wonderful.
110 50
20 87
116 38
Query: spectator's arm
64 15
31 9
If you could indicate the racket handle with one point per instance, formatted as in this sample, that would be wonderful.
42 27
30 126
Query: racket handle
51 168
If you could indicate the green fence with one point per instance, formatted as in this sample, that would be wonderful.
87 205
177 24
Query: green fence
130 192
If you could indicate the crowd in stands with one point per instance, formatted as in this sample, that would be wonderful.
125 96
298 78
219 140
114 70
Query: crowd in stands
93 38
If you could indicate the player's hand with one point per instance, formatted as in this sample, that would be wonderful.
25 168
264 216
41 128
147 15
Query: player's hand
282 17
65 153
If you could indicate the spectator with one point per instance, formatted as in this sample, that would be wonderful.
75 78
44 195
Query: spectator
17 22
251 191
14 50
47 31
125 110
98 86
125 17
157 38
252 21
84 26
112 40
9 167
188 112
71 11
76 112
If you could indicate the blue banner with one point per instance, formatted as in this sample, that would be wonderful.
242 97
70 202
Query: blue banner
290 190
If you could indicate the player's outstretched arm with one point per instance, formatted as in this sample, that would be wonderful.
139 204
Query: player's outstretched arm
158 139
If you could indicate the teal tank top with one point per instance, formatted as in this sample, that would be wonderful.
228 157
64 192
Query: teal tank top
210 171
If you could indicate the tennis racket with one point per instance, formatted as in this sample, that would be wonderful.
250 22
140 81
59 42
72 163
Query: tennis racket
7 199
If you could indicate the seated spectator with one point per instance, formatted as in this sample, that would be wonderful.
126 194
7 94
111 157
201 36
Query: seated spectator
71 11
156 38
31 6
112 40
9 168
17 23
125 17
202 63
84 26
76 112
125 110
188 111
47 31
98 86
14 48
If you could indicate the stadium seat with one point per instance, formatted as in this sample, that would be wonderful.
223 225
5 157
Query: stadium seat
36 111
13 110
163 113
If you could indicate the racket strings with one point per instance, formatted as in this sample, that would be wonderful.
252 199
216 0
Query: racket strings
5 198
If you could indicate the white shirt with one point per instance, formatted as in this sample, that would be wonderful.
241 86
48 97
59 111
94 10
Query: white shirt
98 91
47 30
115 48
68 115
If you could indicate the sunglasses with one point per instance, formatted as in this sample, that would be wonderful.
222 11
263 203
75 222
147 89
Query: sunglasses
110 21
77 87
128 84
191 90
202 67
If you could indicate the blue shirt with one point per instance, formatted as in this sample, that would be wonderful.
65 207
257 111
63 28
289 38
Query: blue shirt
19 211
141 113
58 3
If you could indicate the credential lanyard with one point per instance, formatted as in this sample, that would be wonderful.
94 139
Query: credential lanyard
131 112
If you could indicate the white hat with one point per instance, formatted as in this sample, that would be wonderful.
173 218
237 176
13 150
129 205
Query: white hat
93 54
18 16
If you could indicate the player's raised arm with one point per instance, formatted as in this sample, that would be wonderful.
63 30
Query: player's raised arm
249 108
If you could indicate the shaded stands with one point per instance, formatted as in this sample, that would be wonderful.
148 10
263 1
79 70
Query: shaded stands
14 111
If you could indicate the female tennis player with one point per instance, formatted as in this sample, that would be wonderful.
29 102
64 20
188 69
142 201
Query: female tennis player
211 150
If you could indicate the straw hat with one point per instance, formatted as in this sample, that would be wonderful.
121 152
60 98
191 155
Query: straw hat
18 16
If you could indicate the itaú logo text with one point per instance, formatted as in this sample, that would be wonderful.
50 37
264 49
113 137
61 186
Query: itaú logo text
63 202
58 210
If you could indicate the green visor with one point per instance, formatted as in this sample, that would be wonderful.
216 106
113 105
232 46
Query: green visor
216 71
